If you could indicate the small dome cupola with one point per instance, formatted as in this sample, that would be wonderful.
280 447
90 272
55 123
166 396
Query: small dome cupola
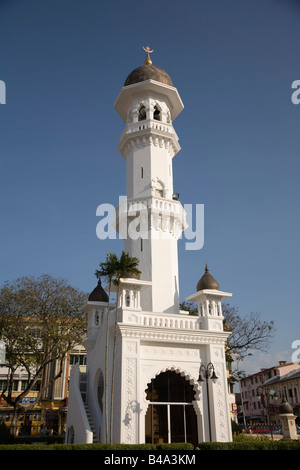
98 294
207 281
148 71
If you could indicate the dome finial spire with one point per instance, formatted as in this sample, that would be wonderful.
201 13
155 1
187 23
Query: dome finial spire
207 281
148 61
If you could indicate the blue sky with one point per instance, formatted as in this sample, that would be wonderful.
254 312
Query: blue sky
233 63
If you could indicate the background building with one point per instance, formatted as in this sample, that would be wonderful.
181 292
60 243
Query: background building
51 410
260 392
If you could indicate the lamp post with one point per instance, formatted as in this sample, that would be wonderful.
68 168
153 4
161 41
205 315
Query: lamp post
206 373
270 393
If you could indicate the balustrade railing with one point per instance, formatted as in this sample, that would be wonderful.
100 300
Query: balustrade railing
175 321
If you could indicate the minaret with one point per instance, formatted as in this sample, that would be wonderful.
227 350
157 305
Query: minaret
152 217
154 340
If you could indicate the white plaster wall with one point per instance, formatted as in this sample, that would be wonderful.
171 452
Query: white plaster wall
139 358
96 364
142 361
165 282
220 413
152 155
76 417
158 264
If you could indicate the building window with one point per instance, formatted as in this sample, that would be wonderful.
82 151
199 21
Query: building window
3 385
142 172
23 385
78 359
127 298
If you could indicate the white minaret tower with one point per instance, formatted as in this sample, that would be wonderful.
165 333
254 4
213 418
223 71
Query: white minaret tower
151 220
145 339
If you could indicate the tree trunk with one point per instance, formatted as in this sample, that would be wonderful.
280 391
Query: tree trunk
14 422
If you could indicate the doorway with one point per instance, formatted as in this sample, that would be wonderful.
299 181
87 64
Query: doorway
170 416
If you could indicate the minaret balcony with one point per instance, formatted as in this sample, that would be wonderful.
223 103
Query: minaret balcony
148 124
155 214
148 132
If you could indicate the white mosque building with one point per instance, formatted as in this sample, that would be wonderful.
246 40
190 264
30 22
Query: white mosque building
170 377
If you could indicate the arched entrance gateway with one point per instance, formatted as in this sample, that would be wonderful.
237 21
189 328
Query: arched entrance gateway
170 416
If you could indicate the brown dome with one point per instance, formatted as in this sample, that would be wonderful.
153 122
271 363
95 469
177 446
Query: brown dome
98 294
207 281
148 72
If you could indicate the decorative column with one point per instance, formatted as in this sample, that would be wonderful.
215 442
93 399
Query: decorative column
208 298
287 420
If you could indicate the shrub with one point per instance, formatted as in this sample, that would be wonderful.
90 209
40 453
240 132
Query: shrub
39 439
243 442
76 447
236 428
175 446
5 436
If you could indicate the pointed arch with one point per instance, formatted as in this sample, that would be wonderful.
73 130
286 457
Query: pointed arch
171 414
157 113
193 381
142 112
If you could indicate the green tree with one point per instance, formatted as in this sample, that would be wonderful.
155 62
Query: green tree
248 333
114 269
41 319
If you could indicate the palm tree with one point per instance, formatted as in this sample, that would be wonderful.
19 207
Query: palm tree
114 269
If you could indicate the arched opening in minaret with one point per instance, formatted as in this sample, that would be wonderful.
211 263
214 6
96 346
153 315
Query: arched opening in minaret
170 416
142 113
157 113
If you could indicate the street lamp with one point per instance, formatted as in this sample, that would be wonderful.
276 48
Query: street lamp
206 373
270 393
